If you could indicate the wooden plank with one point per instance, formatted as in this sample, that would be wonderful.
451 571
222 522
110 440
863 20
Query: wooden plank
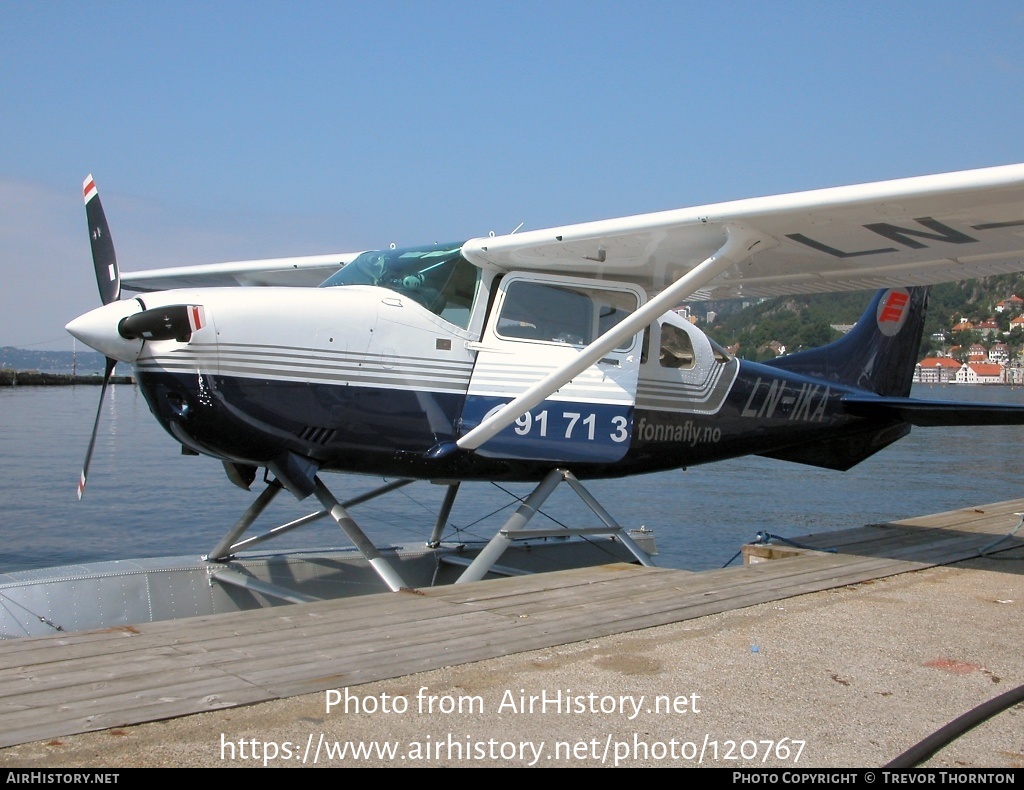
66 683
393 607
485 591
241 648
168 700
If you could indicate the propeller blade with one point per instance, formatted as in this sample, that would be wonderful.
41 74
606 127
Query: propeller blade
173 322
95 426
108 278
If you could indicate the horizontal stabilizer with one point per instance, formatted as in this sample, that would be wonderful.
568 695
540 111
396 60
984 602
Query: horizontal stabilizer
930 413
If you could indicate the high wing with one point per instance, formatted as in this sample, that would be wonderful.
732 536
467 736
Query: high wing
913 231
307 271
907 232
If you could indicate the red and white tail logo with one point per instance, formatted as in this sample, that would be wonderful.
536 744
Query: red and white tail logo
892 311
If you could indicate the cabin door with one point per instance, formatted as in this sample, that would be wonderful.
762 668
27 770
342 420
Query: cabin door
537 324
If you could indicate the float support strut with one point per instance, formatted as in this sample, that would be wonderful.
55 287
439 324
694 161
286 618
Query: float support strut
513 529
442 516
223 549
642 556
356 535
501 541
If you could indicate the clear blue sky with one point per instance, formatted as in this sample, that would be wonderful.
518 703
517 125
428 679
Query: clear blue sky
232 130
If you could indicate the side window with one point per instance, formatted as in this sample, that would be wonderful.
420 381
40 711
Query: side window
559 313
535 311
613 307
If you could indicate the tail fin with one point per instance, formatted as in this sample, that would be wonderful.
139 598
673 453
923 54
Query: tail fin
108 278
879 354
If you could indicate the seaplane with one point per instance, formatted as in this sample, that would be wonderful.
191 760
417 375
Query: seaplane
554 355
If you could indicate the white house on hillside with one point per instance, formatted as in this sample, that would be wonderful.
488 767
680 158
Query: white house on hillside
980 373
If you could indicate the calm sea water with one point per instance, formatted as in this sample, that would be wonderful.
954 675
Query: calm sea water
145 499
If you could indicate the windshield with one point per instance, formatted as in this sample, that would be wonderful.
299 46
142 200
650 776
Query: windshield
437 277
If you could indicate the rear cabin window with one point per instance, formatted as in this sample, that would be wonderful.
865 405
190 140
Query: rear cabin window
676 348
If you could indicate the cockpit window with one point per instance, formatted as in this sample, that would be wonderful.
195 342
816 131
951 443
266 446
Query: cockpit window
437 277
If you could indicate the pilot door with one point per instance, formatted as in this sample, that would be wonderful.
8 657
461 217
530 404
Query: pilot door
536 325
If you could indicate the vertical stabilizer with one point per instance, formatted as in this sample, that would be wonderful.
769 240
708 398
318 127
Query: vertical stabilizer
879 354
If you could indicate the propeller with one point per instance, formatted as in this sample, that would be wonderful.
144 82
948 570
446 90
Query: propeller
108 278
95 426
107 328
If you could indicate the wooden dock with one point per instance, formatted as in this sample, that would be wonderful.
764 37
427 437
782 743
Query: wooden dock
70 683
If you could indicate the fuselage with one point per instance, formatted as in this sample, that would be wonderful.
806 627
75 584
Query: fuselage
372 374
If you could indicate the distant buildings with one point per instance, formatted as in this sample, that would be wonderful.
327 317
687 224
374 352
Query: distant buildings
977 353
943 370
999 354
988 328
936 370
774 346
980 373
1013 304
995 362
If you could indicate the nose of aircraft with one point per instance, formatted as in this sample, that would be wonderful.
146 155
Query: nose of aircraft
98 329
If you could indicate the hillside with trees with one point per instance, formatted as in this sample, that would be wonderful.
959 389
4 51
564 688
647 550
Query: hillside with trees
799 322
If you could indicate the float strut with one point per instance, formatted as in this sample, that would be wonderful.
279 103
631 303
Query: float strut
248 543
356 535
497 545
442 516
223 549
513 529
622 535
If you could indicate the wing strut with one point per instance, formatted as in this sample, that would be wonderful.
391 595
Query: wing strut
738 244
